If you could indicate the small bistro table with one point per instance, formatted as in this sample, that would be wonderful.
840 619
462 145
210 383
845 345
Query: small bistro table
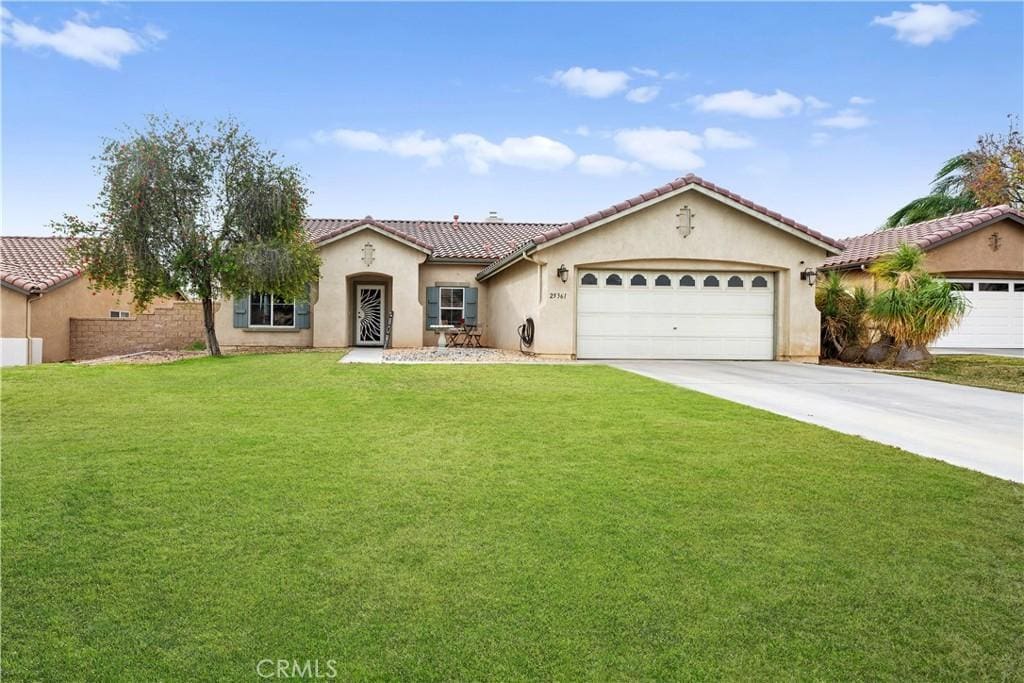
443 330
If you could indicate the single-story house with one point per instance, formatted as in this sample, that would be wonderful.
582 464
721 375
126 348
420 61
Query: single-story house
981 251
41 290
686 270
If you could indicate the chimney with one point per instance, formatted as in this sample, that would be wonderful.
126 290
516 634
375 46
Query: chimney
493 217
455 221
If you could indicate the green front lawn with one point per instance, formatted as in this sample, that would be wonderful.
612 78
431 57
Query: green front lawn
991 372
185 521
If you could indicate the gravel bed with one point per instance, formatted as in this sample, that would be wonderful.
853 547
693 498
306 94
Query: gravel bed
432 354
143 358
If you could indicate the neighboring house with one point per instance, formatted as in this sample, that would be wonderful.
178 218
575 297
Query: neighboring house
686 270
41 291
981 251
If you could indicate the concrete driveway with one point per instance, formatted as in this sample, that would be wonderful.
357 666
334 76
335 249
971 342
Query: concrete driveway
979 429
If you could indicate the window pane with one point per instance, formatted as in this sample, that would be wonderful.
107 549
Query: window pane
457 295
259 309
284 314
1018 286
759 282
711 281
590 279
687 281
663 281
638 280
993 286
613 280
963 286
451 316
735 281
446 296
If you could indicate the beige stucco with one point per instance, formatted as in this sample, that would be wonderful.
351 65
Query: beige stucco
51 313
970 255
724 238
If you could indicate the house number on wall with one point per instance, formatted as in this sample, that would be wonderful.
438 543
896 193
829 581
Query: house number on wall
368 254
557 295
994 240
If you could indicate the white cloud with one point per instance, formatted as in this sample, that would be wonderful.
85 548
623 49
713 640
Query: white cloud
649 73
720 138
672 150
582 131
847 118
819 139
858 101
98 45
643 94
536 152
924 24
407 145
747 103
604 165
591 82
814 103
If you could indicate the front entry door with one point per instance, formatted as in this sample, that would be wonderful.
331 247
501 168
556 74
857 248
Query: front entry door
369 315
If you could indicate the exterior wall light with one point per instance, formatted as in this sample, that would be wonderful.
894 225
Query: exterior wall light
563 273
810 275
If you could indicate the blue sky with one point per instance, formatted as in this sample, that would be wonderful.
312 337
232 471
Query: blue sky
833 114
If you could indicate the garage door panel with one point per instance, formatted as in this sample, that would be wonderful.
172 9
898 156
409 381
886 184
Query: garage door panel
995 319
657 321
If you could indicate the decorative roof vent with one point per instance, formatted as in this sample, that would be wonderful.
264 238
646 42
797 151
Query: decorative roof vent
493 217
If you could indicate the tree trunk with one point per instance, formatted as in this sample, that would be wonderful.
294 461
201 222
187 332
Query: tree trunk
212 346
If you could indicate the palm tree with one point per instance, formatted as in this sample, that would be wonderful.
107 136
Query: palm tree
843 313
917 308
950 194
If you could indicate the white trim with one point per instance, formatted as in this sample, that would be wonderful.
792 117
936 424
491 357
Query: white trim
440 308
271 326
366 226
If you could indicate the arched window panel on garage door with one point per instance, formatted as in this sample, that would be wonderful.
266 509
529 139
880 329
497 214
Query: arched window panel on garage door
687 281
638 280
711 281
759 282
613 280
589 280
735 281
663 281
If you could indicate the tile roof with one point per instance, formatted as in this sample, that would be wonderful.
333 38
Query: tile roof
866 248
479 240
33 264
677 184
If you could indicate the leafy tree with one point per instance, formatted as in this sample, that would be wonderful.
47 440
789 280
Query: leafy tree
917 308
186 208
990 174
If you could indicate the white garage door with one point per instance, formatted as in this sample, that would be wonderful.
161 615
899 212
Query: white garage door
675 315
995 319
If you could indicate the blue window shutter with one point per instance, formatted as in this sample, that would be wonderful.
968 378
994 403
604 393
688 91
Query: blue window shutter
302 312
433 306
241 311
469 312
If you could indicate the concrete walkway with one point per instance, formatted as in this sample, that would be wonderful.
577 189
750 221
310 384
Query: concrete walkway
363 354
979 429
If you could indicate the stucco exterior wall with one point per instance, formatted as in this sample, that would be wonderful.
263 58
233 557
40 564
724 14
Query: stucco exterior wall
456 275
52 312
723 238
12 313
973 254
